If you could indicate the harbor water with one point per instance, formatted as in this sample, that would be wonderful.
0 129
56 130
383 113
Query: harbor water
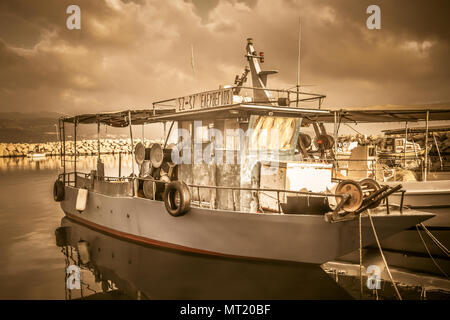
33 262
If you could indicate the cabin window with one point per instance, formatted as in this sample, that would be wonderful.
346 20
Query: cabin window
273 133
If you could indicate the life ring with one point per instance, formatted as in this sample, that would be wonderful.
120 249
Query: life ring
58 191
177 198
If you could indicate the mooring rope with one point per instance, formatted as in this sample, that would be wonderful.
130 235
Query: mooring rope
382 255
435 240
429 253
360 259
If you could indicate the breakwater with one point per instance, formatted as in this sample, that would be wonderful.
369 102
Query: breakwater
84 147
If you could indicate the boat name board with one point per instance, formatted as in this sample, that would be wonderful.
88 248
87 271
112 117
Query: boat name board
221 97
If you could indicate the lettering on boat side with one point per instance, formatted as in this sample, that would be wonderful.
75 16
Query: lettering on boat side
233 309
74 277
203 100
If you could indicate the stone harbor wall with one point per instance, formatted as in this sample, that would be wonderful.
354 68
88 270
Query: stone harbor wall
84 147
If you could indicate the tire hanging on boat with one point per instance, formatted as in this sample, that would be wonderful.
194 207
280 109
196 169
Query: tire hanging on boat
58 191
177 198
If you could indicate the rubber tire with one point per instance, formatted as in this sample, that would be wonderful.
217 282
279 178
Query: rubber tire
169 198
58 191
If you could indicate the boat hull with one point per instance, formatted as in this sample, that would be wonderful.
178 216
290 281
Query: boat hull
429 196
406 249
299 238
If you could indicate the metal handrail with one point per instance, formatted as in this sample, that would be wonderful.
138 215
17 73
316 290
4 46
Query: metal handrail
308 193
311 96
343 197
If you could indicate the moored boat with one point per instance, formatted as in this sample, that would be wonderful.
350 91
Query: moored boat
230 184
416 157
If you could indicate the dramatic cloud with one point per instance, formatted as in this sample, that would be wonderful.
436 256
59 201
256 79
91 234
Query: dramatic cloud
131 53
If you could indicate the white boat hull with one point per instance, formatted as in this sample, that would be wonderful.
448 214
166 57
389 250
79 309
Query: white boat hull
299 238
429 196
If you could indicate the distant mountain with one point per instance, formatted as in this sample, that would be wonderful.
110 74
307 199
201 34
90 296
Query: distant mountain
17 127
28 127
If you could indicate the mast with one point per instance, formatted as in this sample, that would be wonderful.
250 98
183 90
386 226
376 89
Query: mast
426 146
298 59
259 77
192 59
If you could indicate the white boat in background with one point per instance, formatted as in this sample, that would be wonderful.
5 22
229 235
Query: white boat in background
422 169
35 155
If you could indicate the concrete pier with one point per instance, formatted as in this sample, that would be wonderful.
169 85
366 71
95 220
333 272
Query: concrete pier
84 147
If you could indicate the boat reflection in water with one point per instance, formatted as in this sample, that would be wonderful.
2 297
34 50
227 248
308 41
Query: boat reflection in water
112 268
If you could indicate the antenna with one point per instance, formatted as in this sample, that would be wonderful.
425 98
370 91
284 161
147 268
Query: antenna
298 60
192 59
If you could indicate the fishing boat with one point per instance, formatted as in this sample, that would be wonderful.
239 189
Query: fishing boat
235 183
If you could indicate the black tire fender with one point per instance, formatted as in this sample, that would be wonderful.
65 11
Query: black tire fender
183 205
58 191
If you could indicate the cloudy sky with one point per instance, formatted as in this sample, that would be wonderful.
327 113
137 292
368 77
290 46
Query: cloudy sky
130 53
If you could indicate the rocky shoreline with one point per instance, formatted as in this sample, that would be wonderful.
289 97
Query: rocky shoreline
84 147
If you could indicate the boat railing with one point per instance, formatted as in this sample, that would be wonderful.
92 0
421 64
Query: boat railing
66 177
259 191
374 166
238 95
70 179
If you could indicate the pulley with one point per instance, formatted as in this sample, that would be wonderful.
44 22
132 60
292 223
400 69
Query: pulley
355 193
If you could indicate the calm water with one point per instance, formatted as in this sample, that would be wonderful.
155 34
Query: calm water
31 265
33 261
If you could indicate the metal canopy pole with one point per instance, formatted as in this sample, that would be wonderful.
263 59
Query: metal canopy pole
132 150
298 61
75 123
168 135
426 146
120 164
98 139
64 150
336 163
406 141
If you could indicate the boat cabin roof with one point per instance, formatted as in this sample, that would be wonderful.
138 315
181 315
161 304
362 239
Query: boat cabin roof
416 130
389 113
146 116
226 102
